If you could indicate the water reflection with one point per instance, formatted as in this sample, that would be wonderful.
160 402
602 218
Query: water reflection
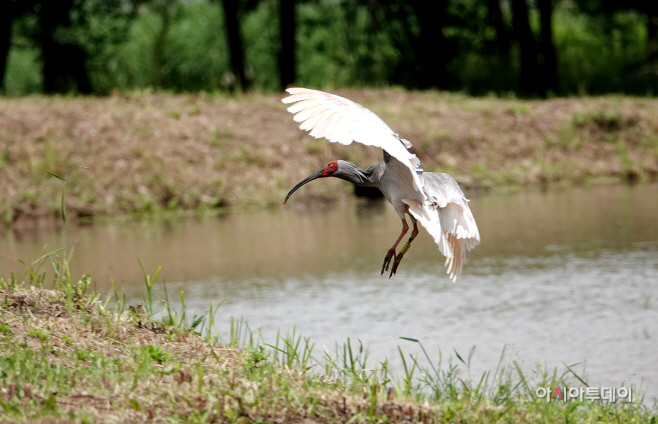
563 277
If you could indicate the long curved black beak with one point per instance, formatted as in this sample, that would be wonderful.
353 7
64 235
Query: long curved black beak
308 179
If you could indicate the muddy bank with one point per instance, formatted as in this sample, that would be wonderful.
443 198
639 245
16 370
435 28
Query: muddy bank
150 152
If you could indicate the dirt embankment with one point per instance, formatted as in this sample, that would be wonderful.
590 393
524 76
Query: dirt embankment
88 363
149 152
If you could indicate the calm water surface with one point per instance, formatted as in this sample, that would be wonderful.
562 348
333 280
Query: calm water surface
561 277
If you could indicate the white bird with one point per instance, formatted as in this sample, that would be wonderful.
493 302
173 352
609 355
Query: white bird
434 199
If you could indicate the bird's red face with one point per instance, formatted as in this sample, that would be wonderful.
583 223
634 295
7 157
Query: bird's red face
330 168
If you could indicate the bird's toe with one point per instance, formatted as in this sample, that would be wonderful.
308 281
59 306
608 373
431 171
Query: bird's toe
396 262
387 260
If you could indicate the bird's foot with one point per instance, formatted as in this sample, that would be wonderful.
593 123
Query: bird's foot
398 259
396 262
387 260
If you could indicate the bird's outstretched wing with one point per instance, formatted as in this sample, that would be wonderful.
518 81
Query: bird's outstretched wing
447 217
343 121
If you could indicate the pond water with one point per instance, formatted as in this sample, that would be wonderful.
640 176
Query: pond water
561 277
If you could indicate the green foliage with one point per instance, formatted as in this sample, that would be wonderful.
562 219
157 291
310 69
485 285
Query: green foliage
181 46
183 50
154 353
5 329
101 28
23 75
599 54
339 46
38 333
260 30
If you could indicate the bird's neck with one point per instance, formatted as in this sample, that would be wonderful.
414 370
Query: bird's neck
363 177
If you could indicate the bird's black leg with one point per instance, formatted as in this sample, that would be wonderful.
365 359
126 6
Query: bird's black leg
404 249
391 252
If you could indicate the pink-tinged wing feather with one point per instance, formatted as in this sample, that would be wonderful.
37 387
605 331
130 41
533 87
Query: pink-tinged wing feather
343 121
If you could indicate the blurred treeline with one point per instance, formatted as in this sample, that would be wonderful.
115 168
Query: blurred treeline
533 48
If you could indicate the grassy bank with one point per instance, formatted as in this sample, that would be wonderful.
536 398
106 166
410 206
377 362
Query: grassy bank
67 356
150 152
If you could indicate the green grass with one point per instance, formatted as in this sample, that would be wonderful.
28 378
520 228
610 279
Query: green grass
72 356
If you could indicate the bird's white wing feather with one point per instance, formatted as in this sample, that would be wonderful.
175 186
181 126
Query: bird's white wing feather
447 217
343 121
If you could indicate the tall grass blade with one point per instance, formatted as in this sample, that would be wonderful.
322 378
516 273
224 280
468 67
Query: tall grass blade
56 176
574 373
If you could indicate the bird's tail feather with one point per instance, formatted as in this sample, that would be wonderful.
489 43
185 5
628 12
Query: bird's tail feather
453 229
454 264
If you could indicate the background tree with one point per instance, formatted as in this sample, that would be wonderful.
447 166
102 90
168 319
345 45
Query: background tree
432 50
644 72
492 47
62 55
72 36
234 39
416 28
547 57
527 47
166 11
286 57
10 10
497 20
